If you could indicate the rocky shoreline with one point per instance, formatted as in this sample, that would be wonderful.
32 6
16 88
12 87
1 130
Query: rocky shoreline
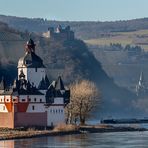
9 134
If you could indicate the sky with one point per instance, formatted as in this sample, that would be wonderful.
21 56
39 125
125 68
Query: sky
76 10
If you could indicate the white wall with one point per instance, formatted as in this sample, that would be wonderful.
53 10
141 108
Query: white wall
34 75
2 104
2 99
58 100
55 115
37 101
3 108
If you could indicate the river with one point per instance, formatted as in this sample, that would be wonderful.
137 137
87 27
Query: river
97 140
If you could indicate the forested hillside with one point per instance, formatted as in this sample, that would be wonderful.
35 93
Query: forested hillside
83 30
70 59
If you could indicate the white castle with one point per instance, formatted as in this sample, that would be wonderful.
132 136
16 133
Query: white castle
32 100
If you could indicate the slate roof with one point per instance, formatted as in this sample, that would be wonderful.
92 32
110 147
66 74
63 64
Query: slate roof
30 59
44 84
59 84
57 89
23 87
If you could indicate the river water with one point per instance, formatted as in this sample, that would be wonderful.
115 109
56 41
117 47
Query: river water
93 140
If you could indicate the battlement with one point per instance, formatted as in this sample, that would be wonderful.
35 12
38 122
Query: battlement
59 33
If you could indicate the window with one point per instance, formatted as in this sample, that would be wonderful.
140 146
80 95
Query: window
29 99
61 111
35 69
33 108
7 100
56 111
23 100
40 100
34 99
51 111
14 100
3 107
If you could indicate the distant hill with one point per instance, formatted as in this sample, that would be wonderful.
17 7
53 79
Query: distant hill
83 30
70 59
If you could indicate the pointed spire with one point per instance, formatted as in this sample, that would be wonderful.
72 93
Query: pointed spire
141 80
15 84
28 85
59 84
2 84
42 85
30 47
47 81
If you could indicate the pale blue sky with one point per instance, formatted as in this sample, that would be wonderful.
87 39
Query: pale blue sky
102 10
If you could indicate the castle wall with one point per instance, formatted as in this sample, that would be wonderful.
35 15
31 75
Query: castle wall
36 102
3 108
35 75
55 115
5 103
58 100
30 119
2 104
7 120
36 107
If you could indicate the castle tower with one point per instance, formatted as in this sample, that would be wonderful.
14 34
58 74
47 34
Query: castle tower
31 65
32 100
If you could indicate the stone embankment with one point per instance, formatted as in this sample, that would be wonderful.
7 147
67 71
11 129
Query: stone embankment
7 134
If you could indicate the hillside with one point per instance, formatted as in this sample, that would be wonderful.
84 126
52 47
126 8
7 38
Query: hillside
83 30
72 60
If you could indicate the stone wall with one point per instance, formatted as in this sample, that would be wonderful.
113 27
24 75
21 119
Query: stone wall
30 119
6 120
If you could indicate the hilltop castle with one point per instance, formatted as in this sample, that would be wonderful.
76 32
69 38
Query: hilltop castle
60 33
32 100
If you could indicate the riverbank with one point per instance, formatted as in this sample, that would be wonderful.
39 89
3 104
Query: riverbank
7 134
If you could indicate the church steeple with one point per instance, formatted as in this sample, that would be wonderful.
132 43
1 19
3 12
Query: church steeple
141 87
30 46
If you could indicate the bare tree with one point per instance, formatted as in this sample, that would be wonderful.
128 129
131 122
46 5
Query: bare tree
84 95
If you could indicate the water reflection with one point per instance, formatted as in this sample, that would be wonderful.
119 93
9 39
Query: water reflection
7 144
101 140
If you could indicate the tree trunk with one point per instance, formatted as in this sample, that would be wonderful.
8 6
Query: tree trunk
82 121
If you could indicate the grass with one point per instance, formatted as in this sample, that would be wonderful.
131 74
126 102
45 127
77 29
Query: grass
65 127
124 38
62 129
107 41
6 133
